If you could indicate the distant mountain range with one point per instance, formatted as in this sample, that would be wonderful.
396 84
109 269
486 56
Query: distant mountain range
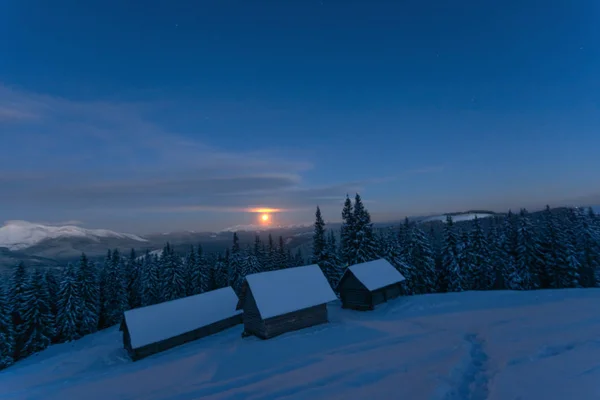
38 244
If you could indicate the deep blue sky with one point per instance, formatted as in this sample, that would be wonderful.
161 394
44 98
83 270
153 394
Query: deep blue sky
166 115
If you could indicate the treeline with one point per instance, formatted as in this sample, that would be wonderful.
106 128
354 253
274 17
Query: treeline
40 307
557 249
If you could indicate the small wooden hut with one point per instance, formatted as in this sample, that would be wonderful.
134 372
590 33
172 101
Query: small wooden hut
365 285
152 329
286 300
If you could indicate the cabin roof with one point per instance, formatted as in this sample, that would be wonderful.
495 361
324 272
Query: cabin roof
163 321
288 290
376 274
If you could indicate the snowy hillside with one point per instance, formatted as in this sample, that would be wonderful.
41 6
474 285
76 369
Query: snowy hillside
457 217
477 345
18 235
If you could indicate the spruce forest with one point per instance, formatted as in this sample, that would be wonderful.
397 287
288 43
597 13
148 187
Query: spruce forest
556 248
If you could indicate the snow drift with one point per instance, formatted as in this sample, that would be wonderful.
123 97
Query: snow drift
476 345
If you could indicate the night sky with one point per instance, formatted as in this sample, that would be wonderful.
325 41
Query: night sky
171 115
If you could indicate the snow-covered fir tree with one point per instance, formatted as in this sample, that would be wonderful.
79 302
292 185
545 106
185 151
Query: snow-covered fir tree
70 306
588 244
553 253
347 232
251 264
332 264
52 283
172 275
133 277
319 245
454 281
280 259
497 255
481 259
390 251
7 333
420 258
465 259
151 282
19 287
38 327
271 255
204 272
364 247
221 273
193 279
510 243
113 290
529 257
236 265
89 290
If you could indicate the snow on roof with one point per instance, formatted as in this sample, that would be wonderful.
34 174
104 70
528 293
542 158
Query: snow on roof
376 274
162 321
288 290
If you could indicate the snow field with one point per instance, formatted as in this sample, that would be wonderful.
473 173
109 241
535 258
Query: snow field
473 345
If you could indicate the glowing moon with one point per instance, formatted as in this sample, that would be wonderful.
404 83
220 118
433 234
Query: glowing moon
265 217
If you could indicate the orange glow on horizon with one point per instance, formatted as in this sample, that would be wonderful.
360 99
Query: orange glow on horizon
264 210
265 217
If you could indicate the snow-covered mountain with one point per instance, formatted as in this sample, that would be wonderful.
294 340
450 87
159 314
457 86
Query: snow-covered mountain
19 235
472 345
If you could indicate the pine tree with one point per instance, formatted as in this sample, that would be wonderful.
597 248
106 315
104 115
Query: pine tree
193 279
70 306
364 248
588 245
330 264
53 286
172 275
220 272
481 259
151 282
347 232
280 258
134 281
89 291
553 252
450 259
528 255
102 271
465 260
251 264
271 258
7 333
319 242
497 257
37 316
421 259
114 290
510 243
19 288
390 251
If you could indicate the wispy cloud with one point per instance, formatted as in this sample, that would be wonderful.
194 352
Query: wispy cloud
11 114
80 157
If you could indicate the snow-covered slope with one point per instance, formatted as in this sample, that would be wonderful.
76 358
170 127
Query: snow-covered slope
494 345
18 235
458 217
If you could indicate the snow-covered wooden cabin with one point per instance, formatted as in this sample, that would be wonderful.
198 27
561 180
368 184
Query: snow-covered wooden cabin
286 300
152 329
365 285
